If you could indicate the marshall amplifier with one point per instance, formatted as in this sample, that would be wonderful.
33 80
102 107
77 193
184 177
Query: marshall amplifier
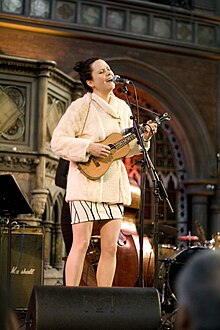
25 257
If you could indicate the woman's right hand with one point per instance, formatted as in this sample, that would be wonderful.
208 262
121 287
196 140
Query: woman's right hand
99 149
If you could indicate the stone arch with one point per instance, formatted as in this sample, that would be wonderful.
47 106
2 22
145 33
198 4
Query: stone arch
185 115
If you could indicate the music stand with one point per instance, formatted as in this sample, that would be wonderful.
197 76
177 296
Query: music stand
12 203
12 200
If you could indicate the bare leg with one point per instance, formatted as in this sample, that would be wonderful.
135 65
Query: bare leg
107 262
75 261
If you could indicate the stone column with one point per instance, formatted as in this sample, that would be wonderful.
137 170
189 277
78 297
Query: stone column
47 248
199 212
58 246
215 219
200 191
40 193
215 211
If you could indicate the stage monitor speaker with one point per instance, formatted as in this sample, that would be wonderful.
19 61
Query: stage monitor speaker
93 308
26 269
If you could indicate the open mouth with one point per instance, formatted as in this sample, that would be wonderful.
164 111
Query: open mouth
109 80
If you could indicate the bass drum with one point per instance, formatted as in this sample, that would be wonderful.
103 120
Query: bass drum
173 264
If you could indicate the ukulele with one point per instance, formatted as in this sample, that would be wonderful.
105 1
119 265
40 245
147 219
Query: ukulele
96 167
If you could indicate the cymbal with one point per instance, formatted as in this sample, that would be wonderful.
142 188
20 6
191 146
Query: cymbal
162 229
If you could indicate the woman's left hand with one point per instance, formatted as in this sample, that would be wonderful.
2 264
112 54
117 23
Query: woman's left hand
151 128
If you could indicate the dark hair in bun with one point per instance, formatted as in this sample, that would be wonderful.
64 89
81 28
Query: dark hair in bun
85 71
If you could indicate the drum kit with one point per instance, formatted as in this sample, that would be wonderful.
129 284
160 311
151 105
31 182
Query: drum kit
173 259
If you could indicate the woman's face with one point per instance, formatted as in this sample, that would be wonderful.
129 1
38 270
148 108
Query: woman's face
101 77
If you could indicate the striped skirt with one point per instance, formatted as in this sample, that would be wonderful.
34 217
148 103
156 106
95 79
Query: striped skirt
82 211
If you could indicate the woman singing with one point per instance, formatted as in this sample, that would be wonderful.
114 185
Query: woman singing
79 134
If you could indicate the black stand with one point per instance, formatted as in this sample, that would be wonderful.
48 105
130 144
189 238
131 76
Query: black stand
160 195
12 203
159 192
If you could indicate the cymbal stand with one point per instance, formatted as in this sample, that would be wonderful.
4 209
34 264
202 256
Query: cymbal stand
166 303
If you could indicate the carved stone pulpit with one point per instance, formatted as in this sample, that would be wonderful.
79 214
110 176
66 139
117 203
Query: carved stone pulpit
33 96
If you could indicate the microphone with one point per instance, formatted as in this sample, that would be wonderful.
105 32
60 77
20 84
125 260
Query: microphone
117 80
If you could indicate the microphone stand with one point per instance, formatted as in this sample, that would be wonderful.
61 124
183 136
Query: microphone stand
159 192
160 195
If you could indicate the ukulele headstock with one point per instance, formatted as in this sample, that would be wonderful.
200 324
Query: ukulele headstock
159 120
